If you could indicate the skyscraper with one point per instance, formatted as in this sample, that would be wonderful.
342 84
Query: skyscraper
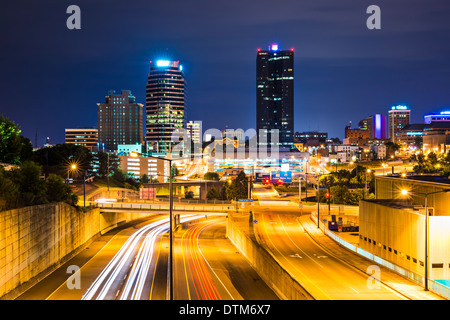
164 104
275 94
120 120
194 129
399 117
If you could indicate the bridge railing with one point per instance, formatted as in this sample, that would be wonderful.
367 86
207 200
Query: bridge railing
162 206
419 279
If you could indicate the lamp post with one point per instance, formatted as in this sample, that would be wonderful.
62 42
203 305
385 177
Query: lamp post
135 155
318 194
365 191
299 191
405 192
72 168
107 171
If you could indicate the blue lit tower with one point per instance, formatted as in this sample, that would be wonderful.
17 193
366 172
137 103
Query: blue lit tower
165 94
275 94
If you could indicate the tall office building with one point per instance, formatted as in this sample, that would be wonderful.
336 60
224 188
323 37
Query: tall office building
86 137
399 117
194 129
120 120
376 126
164 104
275 94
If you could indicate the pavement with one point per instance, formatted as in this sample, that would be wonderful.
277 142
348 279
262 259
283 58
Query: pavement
389 278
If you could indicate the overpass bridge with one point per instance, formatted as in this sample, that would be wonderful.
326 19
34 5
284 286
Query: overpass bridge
204 209
200 187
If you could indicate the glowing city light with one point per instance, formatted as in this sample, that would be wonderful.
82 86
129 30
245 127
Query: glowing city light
162 63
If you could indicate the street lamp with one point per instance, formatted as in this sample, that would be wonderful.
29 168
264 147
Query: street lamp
135 155
318 206
405 192
365 192
300 192
72 167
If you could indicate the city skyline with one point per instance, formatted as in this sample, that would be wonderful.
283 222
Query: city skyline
362 71
246 152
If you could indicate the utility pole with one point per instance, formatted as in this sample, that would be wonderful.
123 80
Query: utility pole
107 171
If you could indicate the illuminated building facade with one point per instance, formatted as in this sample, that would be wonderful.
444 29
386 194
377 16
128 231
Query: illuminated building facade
399 117
296 162
120 120
194 129
376 126
165 97
86 137
275 95
444 116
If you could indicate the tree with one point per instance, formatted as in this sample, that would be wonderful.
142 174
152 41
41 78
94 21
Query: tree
32 189
14 148
238 188
107 164
145 178
224 192
58 191
391 148
175 171
9 192
58 158
211 176
119 176
213 193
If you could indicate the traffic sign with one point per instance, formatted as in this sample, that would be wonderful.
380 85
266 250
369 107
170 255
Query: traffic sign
245 200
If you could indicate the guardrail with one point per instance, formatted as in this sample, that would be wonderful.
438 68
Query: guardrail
434 286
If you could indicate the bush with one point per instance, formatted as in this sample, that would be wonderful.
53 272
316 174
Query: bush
189 195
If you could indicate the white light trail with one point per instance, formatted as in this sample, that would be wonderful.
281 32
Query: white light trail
121 261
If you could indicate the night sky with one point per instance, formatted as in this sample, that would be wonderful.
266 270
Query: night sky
52 78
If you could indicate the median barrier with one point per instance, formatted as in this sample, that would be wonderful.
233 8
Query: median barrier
283 283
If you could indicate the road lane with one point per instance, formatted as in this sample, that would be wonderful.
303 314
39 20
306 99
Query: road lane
320 273
209 267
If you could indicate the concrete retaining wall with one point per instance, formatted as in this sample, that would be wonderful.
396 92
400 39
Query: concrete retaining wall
35 240
265 264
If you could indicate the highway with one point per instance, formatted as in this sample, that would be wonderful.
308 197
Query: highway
322 274
125 267
132 264
209 267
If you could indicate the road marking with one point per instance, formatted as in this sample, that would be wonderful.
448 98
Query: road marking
154 270
199 249
354 290
296 256
293 242
302 275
